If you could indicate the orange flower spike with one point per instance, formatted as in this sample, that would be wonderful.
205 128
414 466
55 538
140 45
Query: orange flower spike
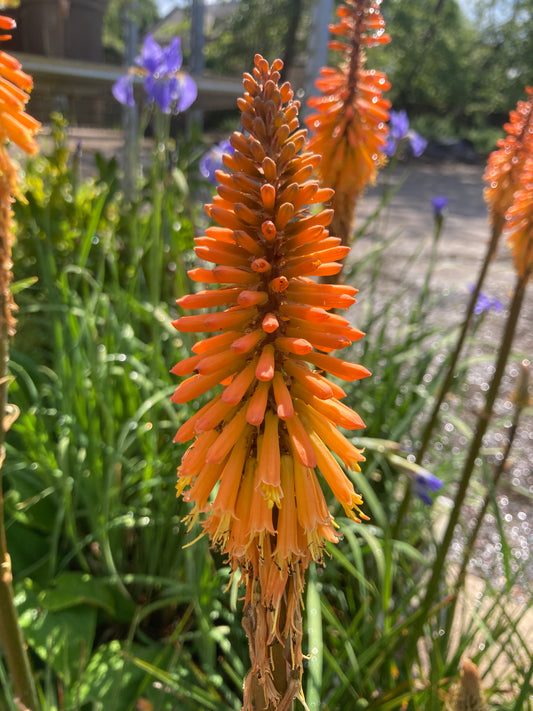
276 331
505 164
349 120
19 128
15 125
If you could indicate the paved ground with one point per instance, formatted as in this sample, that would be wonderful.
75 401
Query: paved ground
461 249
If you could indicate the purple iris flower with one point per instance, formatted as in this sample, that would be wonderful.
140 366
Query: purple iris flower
390 146
439 202
212 160
485 302
398 124
399 132
426 483
123 90
418 143
163 82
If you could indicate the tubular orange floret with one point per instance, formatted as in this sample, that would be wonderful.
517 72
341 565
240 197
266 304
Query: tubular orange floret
348 122
273 414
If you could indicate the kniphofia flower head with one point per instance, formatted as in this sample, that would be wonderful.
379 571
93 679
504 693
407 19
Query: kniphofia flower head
19 128
348 122
505 164
509 175
164 83
269 434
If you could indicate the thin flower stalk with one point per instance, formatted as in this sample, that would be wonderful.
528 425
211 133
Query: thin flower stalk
17 127
503 175
272 425
348 123
521 400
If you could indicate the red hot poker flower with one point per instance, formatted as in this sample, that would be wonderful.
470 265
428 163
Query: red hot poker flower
20 128
505 164
349 122
273 423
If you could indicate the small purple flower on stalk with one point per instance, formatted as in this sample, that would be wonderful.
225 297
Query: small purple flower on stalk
439 202
426 483
485 302
212 160
163 82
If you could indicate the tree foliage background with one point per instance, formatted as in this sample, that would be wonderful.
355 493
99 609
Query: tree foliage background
455 66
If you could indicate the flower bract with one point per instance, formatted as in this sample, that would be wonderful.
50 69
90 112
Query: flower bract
266 445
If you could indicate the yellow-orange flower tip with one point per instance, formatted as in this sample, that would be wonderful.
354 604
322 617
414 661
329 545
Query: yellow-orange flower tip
348 122
505 164
271 426
15 125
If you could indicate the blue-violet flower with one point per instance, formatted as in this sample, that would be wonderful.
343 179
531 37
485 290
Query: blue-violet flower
485 302
426 483
170 88
212 160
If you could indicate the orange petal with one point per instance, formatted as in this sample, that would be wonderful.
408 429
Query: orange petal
255 413
266 363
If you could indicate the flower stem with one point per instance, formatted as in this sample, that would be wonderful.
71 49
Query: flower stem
491 249
443 390
481 428
11 639
520 404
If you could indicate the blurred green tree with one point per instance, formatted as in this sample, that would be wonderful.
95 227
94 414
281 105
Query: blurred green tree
147 14
466 62
274 29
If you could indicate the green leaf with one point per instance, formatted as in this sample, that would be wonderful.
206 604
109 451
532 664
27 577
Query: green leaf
62 639
22 284
73 588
